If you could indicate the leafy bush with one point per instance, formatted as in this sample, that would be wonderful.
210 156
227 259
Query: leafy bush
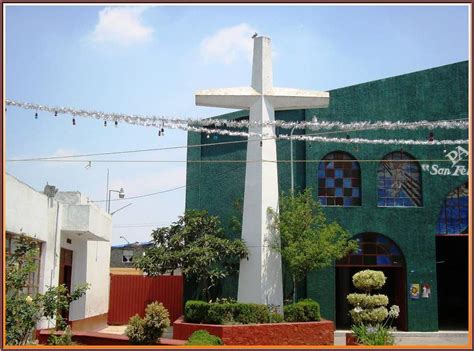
251 313
23 311
368 280
202 337
148 330
370 316
196 311
226 311
221 313
64 339
303 311
276 318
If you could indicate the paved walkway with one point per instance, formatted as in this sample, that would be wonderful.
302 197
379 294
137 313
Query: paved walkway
417 338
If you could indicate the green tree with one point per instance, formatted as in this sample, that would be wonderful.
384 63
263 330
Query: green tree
24 311
307 241
196 245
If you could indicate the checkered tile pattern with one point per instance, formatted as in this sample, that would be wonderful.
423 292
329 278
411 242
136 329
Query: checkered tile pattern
339 181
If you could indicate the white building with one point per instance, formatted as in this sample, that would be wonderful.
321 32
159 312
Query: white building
74 238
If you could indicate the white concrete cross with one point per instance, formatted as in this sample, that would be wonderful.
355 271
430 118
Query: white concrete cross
260 277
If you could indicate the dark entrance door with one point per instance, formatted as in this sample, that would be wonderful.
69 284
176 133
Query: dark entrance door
375 252
65 273
452 276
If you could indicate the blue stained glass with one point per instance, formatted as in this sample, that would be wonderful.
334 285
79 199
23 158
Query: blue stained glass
321 173
389 202
380 202
347 201
323 200
399 201
338 173
408 202
355 192
381 192
355 165
383 260
339 192
329 182
347 183
330 165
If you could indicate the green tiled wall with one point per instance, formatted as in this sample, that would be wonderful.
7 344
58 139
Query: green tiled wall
434 94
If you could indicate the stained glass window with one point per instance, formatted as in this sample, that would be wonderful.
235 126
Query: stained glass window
339 181
453 217
374 250
399 181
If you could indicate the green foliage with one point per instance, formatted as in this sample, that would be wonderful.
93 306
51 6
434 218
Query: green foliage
303 311
370 316
307 241
221 313
196 245
148 330
196 311
226 311
202 337
276 318
373 335
368 280
367 301
23 311
64 339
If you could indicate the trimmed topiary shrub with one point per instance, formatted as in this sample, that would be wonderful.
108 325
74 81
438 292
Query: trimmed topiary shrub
303 311
251 313
148 330
276 318
202 337
221 313
196 311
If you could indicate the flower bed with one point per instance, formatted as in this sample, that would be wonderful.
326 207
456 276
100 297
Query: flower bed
296 333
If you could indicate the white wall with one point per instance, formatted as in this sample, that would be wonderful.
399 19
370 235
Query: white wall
32 213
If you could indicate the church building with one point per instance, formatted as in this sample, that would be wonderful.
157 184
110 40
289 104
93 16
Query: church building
407 205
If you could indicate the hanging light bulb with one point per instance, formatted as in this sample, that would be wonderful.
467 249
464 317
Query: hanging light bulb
55 113
431 136
105 123
162 131
208 136
36 115
159 133
116 124
73 121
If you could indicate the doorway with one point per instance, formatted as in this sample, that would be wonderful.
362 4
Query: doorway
452 276
375 252
65 273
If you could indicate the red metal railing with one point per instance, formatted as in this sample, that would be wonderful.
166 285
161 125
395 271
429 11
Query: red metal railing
130 294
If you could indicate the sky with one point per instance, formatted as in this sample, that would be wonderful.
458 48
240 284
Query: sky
150 60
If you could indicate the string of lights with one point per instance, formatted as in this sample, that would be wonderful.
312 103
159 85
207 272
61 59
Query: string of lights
192 124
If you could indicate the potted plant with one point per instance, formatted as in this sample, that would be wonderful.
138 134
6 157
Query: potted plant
370 316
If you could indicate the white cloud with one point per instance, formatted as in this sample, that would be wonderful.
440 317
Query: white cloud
121 25
229 44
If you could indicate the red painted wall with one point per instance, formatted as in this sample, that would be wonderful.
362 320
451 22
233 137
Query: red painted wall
304 333
130 294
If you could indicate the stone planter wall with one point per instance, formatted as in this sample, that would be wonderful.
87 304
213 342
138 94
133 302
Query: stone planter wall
303 333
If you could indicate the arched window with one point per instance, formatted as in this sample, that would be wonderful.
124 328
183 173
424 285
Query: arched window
339 180
453 217
399 181
374 250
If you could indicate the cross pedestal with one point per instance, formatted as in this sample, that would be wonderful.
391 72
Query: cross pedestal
260 276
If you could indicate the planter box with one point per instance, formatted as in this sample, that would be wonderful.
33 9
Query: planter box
303 333
351 339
